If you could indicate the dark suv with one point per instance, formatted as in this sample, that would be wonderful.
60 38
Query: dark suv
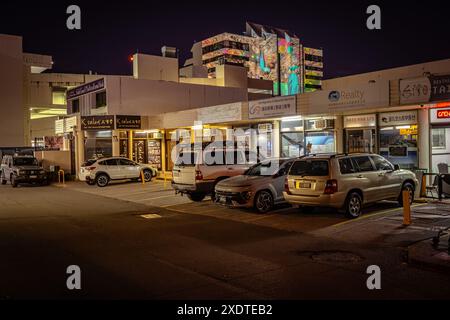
22 169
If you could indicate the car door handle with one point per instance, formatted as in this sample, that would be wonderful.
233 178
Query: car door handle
230 168
359 176
381 174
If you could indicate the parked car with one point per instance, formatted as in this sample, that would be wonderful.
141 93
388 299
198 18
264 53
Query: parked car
346 182
102 171
260 187
196 172
18 169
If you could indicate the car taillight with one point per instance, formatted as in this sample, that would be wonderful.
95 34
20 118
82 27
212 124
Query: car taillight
198 175
90 168
286 186
331 186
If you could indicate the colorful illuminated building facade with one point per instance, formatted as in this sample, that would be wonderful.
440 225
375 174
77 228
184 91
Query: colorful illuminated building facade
267 53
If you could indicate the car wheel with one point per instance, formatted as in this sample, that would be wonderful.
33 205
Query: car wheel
102 180
14 183
353 205
263 201
406 187
148 175
197 197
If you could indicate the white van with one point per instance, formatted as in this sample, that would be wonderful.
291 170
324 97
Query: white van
196 172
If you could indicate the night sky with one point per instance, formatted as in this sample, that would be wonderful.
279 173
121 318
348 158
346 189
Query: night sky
111 31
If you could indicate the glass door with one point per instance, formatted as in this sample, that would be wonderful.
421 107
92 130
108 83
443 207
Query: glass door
361 140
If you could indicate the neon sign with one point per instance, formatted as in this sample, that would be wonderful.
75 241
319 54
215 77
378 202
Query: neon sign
443 114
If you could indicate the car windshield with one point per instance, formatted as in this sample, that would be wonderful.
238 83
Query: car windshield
265 168
316 168
25 162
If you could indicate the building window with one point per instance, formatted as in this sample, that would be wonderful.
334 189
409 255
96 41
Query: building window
58 97
75 106
438 138
100 99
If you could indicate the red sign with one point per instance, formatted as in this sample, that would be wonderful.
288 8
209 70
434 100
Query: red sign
443 114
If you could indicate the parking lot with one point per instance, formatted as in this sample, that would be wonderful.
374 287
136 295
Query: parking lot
159 194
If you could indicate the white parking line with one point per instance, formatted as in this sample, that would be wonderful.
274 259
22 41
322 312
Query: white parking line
161 197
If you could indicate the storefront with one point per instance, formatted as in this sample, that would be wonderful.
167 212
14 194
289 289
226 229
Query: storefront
440 140
360 134
320 135
292 137
398 138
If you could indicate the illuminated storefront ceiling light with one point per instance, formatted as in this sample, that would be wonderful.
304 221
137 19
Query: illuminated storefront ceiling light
290 119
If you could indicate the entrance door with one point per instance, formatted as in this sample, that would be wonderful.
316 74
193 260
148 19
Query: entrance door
361 140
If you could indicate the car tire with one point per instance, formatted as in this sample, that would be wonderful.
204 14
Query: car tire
353 205
102 180
148 175
196 197
410 188
14 183
263 201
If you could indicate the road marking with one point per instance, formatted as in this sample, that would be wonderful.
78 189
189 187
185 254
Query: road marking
146 199
151 216
370 215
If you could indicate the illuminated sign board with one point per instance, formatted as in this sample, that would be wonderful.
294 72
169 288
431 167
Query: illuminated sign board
443 114
86 88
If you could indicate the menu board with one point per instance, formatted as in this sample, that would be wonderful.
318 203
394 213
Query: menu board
154 153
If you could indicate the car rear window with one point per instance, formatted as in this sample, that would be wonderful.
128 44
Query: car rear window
88 163
316 168
186 159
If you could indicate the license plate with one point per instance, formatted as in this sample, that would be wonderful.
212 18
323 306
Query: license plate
303 185
33 177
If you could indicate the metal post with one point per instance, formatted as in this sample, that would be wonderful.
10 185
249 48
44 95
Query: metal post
423 186
406 208
440 187
142 177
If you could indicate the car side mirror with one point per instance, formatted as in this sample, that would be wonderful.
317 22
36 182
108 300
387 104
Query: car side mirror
396 167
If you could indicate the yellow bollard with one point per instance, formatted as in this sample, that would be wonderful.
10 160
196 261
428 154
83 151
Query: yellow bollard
142 177
406 208
423 186
61 173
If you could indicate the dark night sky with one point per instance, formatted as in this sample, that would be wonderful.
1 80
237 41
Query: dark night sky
411 32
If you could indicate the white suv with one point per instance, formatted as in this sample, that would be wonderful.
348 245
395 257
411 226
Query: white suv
196 172
102 171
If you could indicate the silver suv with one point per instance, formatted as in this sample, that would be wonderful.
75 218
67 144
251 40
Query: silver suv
196 172
346 182
19 169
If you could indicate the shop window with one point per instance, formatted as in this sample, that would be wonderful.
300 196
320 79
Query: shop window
292 144
438 138
100 99
58 97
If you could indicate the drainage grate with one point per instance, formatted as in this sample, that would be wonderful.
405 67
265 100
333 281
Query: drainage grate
333 256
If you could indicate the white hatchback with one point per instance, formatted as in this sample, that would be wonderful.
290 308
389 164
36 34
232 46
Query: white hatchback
102 171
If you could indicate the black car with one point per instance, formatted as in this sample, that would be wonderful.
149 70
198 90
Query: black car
22 169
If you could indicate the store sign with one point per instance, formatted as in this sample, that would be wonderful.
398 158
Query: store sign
128 122
97 122
397 118
360 121
370 95
86 88
440 115
274 107
443 114
425 89
264 127
223 113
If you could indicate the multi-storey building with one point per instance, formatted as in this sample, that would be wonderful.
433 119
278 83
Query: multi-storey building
268 53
